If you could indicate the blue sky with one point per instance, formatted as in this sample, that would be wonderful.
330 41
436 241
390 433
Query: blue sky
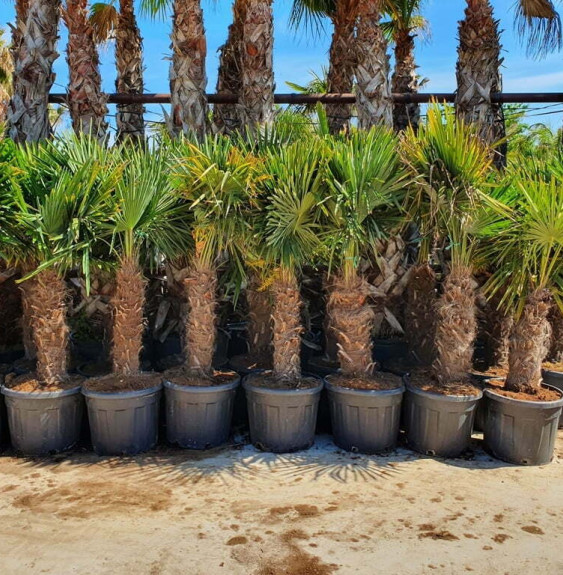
297 53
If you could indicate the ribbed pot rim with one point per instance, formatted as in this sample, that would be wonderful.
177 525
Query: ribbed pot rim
527 403
121 394
364 392
202 388
267 391
553 373
39 394
441 396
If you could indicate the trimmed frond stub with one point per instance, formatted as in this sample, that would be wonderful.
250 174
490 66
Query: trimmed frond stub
539 25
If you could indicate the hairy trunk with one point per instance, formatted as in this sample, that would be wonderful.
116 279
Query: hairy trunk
27 294
286 315
456 327
46 301
404 81
556 320
498 332
201 288
420 320
259 318
227 117
34 54
188 79
129 60
529 345
351 319
86 102
340 77
128 304
372 68
478 72
257 91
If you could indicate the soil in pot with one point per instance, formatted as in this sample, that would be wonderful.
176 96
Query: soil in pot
29 383
422 379
268 380
199 407
379 381
116 383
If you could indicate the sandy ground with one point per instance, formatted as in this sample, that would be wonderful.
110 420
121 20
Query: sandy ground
237 511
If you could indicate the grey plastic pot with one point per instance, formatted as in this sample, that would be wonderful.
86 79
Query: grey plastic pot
123 423
521 432
365 421
199 417
43 423
282 421
554 379
438 424
4 434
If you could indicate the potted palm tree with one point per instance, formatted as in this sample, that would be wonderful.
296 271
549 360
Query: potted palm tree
366 184
526 249
282 404
449 166
219 182
144 220
53 200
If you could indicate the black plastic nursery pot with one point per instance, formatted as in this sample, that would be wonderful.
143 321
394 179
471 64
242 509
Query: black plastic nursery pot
44 422
438 424
282 420
365 421
554 379
519 431
199 417
124 423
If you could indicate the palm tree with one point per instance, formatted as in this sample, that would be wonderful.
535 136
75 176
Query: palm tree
57 192
366 180
539 23
120 25
401 28
219 183
257 88
34 52
229 81
449 166
340 77
6 67
525 246
87 103
372 67
287 236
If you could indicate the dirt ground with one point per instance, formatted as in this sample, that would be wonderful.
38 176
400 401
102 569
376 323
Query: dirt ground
238 511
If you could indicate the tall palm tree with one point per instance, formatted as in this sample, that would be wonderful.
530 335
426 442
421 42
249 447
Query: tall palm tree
118 21
340 78
404 22
257 89
374 101
34 52
87 103
229 81
6 67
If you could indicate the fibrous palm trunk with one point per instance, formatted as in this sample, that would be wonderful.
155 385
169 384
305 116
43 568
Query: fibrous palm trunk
34 54
420 320
286 316
188 79
499 328
129 61
257 91
556 320
404 81
229 81
340 77
86 101
374 101
478 72
351 320
128 317
259 318
46 298
529 345
456 327
200 332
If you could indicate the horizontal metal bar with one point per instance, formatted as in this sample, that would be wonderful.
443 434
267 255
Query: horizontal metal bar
504 98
